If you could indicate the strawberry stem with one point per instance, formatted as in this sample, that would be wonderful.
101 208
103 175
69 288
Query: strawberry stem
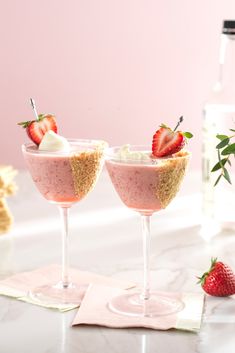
179 122
34 108
213 262
202 279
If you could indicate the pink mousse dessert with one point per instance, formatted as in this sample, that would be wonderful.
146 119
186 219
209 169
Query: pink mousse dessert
67 175
143 183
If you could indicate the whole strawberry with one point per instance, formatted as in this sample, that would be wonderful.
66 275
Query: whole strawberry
219 281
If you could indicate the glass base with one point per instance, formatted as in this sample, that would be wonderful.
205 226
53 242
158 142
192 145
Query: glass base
59 294
134 305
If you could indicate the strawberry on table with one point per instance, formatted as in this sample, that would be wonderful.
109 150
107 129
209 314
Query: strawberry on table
36 129
167 141
219 281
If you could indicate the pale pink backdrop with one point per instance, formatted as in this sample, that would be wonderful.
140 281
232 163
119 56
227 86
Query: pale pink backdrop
110 69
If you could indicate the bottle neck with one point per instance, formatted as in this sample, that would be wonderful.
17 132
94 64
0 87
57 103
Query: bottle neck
227 62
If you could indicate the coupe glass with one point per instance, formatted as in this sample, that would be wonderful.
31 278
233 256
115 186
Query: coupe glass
64 178
146 186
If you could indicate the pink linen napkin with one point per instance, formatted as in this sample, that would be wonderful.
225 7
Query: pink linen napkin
18 286
94 311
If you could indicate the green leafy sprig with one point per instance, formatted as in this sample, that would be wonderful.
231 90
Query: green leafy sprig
225 150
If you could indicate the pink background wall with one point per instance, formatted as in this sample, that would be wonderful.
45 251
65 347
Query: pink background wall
110 69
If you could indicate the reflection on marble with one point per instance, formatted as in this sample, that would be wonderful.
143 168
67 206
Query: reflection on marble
6 256
105 237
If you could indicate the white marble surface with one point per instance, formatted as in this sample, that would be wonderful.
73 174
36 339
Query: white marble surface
105 237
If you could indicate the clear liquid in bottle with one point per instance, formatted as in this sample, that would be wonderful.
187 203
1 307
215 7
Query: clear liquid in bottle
218 202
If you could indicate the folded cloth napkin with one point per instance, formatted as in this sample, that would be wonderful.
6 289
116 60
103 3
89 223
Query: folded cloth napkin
94 311
19 285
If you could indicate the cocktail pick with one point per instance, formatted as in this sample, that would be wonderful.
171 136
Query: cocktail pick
32 101
179 122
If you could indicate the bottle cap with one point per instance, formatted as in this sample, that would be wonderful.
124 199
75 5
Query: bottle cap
229 27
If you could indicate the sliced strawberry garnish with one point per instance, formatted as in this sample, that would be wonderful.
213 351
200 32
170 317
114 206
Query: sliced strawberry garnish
166 142
36 129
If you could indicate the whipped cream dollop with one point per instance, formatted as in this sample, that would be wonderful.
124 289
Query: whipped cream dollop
54 142
124 153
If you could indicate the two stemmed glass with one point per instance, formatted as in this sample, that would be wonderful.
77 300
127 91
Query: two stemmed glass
64 178
145 186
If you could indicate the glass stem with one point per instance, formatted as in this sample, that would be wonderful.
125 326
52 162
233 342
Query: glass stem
145 220
65 260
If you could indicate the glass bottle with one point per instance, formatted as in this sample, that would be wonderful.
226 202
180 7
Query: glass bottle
218 203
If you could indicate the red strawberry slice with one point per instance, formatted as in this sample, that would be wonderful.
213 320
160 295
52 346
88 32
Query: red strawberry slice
36 129
219 281
167 142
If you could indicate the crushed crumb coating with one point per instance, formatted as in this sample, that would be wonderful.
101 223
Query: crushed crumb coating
170 175
7 185
86 167
6 218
